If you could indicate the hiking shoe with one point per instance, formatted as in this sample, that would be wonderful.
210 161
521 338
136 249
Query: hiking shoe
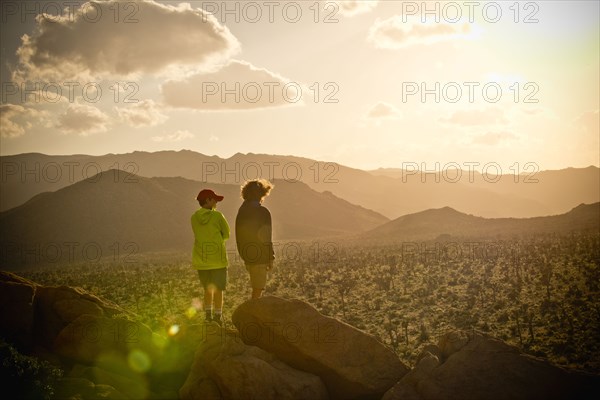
218 319
208 317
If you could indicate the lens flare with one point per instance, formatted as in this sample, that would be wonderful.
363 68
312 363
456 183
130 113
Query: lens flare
174 330
139 361
191 312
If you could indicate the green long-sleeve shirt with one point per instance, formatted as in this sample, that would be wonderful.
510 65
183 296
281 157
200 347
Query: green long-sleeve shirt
210 231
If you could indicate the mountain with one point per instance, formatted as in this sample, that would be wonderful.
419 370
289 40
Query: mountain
384 191
448 223
559 187
115 213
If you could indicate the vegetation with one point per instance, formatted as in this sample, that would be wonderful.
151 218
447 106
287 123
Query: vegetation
541 294
25 375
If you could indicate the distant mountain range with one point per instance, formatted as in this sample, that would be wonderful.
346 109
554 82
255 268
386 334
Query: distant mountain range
116 213
448 224
390 192
115 209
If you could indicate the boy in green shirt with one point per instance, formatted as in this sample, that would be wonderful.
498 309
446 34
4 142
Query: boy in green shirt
209 256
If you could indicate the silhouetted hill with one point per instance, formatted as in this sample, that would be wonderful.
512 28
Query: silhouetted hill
555 192
115 211
449 223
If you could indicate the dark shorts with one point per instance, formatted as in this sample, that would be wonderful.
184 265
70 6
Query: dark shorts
213 277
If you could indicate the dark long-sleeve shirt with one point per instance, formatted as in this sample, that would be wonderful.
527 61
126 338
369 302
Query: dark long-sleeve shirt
253 233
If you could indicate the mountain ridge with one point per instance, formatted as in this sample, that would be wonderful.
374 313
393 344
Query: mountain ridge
115 208
449 222
555 191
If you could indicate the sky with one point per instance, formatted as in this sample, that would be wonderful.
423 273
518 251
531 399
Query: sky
366 84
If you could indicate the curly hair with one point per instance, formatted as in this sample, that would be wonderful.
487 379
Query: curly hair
256 189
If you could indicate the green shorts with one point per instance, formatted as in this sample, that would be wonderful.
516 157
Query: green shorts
213 277
258 275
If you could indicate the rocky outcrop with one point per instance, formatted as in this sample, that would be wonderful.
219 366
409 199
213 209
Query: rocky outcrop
282 349
352 363
77 331
473 366
226 368
57 307
16 309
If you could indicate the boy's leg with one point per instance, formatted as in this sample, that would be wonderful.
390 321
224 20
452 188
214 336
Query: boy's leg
256 293
208 302
220 282
258 279
208 293
218 297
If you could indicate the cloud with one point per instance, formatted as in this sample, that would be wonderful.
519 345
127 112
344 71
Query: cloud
383 110
493 138
82 119
350 8
237 86
394 33
144 113
589 121
488 116
9 113
177 136
144 37
532 111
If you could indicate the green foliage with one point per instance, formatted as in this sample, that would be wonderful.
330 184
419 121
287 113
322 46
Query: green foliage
26 377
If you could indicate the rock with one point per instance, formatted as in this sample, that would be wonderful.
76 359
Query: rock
6 276
69 309
121 379
430 349
17 312
107 392
452 342
351 363
56 307
68 388
480 367
427 363
226 368
88 337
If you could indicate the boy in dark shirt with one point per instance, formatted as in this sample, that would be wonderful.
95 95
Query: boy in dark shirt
253 234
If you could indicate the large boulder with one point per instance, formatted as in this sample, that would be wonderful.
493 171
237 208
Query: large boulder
132 386
89 337
226 368
352 363
16 309
57 307
81 388
475 366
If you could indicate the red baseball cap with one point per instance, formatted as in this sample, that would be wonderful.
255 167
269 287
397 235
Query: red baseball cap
208 194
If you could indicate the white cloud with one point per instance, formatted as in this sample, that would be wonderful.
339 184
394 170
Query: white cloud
589 121
398 32
350 8
144 113
237 86
82 119
10 113
158 36
177 136
493 138
488 116
383 110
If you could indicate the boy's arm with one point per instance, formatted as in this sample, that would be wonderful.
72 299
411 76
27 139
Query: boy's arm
225 232
269 234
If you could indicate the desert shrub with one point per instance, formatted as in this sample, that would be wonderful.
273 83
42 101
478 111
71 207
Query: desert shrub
26 377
